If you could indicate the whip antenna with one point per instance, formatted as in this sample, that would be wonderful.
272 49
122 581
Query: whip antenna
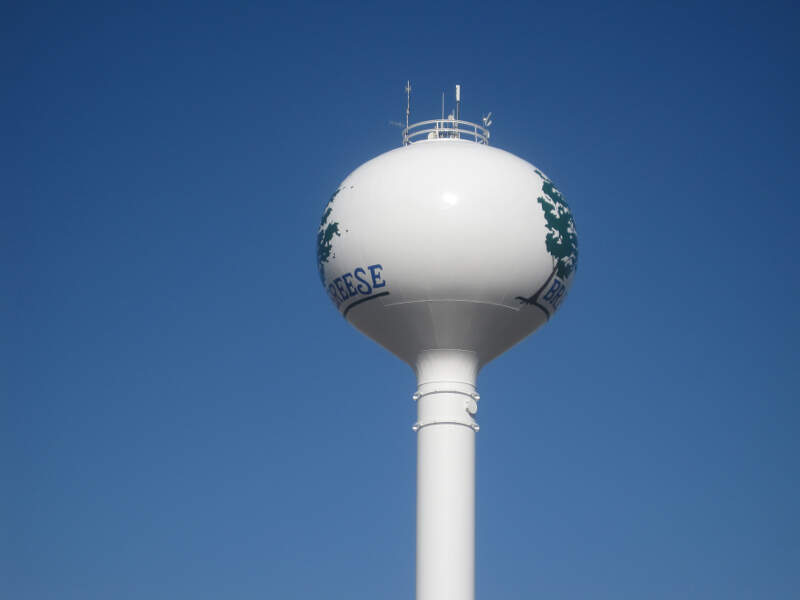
408 101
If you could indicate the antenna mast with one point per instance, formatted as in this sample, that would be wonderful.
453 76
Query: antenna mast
408 101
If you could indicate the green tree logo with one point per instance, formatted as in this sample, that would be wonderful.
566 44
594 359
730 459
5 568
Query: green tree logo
562 238
325 238
561 241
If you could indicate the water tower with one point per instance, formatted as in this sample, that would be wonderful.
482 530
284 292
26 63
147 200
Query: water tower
446 251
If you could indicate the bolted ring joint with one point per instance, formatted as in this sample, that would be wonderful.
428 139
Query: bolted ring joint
446 407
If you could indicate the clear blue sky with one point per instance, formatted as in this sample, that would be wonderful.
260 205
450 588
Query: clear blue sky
183 412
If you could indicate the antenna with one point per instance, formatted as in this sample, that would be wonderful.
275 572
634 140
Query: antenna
408 100
487 120
458 102
442 106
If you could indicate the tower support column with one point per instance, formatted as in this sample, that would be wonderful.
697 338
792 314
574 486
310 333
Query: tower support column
446 402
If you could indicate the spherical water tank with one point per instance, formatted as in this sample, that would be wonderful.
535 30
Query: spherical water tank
447 243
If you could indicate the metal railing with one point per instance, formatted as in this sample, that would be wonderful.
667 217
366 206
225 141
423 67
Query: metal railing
439 129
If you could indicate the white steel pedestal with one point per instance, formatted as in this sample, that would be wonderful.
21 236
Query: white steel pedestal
446 400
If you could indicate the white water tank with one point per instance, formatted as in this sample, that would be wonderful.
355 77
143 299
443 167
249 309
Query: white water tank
447 243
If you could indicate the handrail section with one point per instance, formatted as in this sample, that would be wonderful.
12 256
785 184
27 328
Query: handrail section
438 129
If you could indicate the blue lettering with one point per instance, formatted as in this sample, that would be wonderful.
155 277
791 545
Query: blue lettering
374 270
338 283
360 281
363 287
551 293
559 296
347 283
333 294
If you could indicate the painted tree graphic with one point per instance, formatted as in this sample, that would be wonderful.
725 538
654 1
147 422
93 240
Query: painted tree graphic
562 239
325 238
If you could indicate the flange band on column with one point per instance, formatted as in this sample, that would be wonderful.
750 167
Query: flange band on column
446 407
